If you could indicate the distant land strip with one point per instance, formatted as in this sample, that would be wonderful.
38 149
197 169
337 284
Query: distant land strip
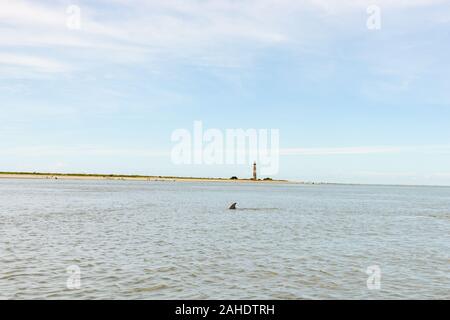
96 176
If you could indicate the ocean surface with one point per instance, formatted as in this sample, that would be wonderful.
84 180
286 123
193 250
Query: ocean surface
178 240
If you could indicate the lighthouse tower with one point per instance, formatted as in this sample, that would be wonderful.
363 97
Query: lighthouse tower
254 170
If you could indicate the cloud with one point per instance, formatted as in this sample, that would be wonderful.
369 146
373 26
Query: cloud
339 6
363 150
18 12
58 151
141 25
203 33
86 150
222 33
32 62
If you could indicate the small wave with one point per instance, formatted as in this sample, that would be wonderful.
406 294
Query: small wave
257 209
443 215
153 288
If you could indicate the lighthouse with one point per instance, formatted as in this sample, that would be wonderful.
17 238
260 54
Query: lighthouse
254 170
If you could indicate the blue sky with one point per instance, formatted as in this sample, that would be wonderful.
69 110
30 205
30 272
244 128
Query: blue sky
351 104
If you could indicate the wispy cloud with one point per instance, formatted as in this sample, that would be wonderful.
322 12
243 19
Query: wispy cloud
67 151
364 150
203 32
88 150
32 62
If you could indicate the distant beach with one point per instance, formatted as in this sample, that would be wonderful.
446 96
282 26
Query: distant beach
84 176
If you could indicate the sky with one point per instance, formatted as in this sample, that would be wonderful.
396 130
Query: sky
352 104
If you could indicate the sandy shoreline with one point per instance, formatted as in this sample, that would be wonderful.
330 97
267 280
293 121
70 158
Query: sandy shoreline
62 176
